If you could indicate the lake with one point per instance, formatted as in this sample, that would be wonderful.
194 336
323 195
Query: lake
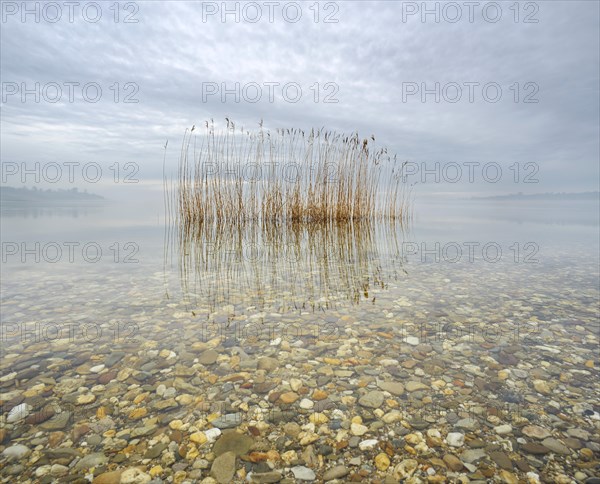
468 335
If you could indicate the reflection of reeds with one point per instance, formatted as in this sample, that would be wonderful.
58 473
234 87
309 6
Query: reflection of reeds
321 176
286 266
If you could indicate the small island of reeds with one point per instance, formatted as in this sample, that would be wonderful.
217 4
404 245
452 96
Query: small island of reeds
236 175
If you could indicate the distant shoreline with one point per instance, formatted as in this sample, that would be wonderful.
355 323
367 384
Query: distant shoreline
34 195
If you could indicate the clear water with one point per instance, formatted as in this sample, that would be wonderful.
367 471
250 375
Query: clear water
465 291
459 249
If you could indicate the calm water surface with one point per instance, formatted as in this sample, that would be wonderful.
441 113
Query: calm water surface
477 318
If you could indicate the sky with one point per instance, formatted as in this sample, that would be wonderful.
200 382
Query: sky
441 84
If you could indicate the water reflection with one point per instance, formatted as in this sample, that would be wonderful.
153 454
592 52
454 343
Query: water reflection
26 210
287 266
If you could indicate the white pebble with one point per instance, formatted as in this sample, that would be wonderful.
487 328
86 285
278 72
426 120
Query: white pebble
18 413
503 429
368 444
306 404
455 439
212 434
17 451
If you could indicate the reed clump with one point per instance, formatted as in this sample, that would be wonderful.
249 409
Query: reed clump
235 175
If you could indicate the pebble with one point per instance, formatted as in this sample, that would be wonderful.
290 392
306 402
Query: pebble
455 439
292 429
134 476
113 477
212 434
289 397
415 386
114 358
223 468
373 399
542 386
503 429
467 424
175 424
198 438
472 455
382 461
392 417
8 377
522 374
405 469
320 418
58 470
535 448
86 399
508 477
501 459
267 363
395 388
555 445
232 441
58 422
264 477
536 432
209 357
453 462
368 444
336 472
303 473
579 434
228 421
295 384
16 452
155 451
92 460
358 429
138 413
97 368
18 413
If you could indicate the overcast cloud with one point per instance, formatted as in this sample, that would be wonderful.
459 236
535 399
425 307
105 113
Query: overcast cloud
366 55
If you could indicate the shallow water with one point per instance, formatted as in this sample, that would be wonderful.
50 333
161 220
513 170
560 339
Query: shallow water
478 318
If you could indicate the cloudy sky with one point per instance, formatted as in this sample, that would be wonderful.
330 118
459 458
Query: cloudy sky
373 58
